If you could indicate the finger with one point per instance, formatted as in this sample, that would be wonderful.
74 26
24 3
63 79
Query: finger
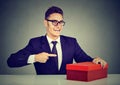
104 64
52 55
99 62
95 61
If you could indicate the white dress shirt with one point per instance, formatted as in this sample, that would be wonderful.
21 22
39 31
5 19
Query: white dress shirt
59 51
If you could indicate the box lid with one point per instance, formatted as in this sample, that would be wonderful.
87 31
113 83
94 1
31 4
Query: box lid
84 66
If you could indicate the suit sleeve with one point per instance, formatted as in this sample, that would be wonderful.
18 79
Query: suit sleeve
80 55
20 58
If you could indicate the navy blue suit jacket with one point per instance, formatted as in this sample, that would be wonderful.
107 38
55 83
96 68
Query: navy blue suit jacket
70 50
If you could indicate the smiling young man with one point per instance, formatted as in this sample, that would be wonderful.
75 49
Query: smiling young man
51 53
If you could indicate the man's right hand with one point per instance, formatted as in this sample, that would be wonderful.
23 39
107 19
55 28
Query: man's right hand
43 57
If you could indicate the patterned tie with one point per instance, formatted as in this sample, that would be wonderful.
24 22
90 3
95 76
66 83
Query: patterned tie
54 51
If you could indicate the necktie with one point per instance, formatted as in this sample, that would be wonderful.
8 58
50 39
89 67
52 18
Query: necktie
54 51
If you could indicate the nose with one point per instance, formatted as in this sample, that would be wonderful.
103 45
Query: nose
58 25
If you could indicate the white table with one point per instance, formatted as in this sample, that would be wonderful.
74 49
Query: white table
112 79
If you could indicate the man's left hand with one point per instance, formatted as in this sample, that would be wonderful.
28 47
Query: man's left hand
98 60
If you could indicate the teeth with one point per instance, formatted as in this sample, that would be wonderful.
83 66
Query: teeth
56 30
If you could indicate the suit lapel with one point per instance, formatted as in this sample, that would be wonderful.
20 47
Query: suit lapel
45 45
63 46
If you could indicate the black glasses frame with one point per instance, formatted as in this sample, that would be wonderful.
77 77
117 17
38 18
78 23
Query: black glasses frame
56 22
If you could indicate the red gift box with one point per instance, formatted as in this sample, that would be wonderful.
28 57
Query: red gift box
86 71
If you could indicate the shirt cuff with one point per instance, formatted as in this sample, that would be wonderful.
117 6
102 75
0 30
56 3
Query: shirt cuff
31 59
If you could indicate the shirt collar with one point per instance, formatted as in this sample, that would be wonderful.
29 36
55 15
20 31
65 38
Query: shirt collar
50 40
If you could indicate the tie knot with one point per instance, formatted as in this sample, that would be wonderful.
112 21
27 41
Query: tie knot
54 42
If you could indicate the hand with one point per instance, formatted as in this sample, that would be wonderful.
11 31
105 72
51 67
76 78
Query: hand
43 57
98 60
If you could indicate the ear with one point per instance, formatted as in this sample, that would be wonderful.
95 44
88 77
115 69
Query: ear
45 23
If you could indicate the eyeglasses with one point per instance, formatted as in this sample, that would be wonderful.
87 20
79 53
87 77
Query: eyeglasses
56 22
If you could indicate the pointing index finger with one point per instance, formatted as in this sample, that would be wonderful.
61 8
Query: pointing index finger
52 55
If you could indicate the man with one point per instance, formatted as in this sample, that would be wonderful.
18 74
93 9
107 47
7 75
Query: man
51 53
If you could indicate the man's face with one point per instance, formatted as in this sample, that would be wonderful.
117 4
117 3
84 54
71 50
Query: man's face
54 30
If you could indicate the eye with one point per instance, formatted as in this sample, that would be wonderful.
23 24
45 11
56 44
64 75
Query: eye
55 21
62 23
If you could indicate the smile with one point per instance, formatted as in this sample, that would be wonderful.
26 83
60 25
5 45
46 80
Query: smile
57 30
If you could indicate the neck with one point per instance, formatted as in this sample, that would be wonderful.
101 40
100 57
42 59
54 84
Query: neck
53 37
